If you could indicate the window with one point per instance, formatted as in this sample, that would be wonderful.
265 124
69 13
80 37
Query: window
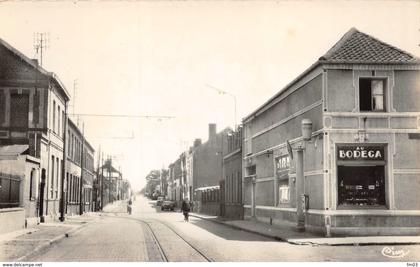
19 110
68 143
361 175
52 176
56 178
371 94
239 188
361 185
251 170
9 191
58 123
53 127
33 185
67 187
71 188
282 174
63 119
248 140
232 188
284 193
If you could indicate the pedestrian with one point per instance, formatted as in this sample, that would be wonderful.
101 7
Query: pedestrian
130 202
185 209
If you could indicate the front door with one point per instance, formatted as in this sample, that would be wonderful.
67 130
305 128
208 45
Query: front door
41 196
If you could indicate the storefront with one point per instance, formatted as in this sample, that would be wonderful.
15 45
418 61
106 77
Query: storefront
361 171
357 172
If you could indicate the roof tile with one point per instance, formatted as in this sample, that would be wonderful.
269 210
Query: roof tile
358 47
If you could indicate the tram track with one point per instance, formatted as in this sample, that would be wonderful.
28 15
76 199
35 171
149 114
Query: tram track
199 251
164 252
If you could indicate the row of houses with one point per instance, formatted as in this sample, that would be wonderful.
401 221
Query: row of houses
46 164
196 169
336 151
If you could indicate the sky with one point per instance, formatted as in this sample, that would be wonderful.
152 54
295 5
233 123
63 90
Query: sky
164 58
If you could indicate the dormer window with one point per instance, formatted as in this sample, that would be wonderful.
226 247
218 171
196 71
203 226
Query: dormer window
372 94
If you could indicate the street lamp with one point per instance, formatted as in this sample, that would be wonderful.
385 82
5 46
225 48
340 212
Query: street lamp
223 92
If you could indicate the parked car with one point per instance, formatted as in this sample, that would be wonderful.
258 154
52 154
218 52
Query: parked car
160 201
168 205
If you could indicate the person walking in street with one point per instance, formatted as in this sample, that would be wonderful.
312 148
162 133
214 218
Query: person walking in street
130 202
185 209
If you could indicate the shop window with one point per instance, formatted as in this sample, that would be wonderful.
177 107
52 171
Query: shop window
361 185
371 94
284 193
282 173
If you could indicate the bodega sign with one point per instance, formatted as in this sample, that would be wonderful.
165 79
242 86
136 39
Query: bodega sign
360 152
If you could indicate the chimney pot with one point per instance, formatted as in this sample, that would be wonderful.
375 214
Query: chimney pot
212 131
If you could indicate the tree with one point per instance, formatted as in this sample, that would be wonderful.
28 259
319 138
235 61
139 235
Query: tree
153 181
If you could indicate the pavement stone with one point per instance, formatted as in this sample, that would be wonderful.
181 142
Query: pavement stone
20 245
288 233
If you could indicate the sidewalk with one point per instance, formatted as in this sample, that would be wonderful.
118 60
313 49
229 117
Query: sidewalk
288 233
21 245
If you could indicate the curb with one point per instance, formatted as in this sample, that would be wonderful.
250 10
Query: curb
50 242
390 243
306 243
278 238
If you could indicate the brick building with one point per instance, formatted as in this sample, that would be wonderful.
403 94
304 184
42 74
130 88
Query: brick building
360 170
78 148
32 114
231 186
206 160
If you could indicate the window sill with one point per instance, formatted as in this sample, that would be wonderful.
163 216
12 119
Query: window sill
365 207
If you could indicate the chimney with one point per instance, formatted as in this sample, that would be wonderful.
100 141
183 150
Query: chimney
212 131
197 142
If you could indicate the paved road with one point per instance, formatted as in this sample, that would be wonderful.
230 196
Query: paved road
120 237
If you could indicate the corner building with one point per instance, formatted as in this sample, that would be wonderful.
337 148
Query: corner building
362 163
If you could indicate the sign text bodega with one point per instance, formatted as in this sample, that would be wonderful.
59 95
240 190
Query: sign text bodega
360 153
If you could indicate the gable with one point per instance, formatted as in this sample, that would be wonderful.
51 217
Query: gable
358 47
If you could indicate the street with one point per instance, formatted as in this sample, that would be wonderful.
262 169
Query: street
152 235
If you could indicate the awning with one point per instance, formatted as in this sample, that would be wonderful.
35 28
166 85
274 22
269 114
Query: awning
13 150
216 187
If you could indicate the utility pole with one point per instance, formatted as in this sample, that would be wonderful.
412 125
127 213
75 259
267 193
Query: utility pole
63 168
74 96
82 153
41 40
102 181
109 178
98 181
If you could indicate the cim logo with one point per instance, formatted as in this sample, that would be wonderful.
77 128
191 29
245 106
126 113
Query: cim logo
361 153
391 252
